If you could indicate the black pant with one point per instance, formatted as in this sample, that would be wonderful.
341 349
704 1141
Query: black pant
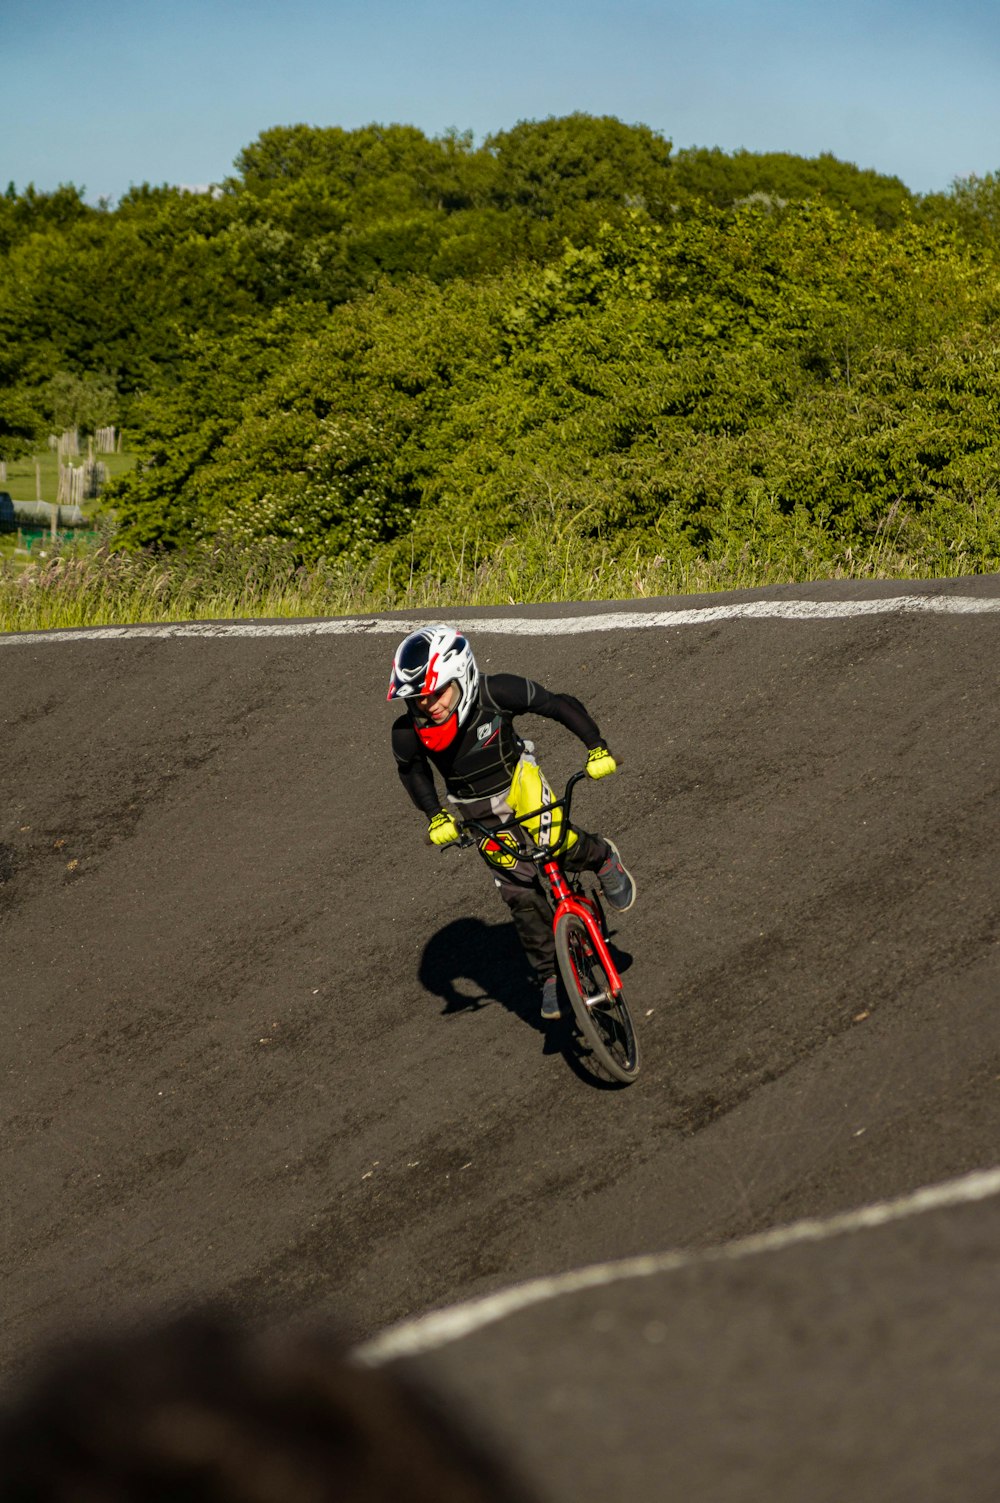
530 907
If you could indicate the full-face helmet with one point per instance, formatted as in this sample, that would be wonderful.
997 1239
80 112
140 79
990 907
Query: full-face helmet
428 660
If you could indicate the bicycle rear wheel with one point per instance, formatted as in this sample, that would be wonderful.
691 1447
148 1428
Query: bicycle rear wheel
602 1014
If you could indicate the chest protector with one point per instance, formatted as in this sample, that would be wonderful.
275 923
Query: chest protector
481 760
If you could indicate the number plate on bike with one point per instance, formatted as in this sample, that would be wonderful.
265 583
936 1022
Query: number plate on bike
500 849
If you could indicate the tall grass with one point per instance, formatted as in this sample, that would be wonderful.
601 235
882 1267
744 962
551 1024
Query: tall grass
225 582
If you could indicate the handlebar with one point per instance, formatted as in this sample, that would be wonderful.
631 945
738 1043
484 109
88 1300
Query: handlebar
542 853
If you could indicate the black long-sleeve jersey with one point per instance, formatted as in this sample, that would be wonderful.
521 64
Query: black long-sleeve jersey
480 762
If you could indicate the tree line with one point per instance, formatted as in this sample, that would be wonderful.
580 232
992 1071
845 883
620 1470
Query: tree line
377 344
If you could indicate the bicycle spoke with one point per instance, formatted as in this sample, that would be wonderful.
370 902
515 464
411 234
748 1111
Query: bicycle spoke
601 1013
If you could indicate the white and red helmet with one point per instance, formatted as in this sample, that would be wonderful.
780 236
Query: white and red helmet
429 659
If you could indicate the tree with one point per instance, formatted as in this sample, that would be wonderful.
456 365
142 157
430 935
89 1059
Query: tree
573 169
30 212
725 179
19 423
375 172
973 207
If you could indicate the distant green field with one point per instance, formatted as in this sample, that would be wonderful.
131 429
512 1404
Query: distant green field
23 483
33 543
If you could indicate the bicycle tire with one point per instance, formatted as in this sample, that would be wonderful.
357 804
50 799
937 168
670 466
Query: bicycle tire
602 1015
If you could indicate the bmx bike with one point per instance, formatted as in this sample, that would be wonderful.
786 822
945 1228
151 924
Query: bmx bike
588 971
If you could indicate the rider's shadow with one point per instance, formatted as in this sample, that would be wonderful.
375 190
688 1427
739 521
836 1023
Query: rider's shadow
470 964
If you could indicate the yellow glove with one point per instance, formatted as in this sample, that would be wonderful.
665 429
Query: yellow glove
442 829
600 762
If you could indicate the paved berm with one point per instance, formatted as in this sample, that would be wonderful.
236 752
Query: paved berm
262 1043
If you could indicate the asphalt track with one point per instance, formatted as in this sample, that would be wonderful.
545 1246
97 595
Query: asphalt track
261 1043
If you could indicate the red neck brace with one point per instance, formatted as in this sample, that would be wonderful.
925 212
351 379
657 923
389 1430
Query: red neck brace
437 737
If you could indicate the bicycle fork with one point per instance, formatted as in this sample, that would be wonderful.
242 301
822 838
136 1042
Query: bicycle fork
569 902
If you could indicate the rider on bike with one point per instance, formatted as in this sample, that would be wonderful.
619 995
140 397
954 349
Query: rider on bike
460 723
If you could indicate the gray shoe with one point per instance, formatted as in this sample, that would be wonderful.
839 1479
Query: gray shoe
616 883
550 999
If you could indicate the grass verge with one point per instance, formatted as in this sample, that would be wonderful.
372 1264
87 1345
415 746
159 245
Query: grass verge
100 586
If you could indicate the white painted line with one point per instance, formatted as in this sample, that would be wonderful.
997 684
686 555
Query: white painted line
541 626
439 1327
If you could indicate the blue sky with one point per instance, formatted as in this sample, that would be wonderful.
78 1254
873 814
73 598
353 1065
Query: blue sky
113 92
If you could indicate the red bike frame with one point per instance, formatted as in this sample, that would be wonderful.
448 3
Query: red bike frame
565 900
569 902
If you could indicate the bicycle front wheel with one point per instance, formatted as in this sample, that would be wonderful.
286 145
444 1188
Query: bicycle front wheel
602 1014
